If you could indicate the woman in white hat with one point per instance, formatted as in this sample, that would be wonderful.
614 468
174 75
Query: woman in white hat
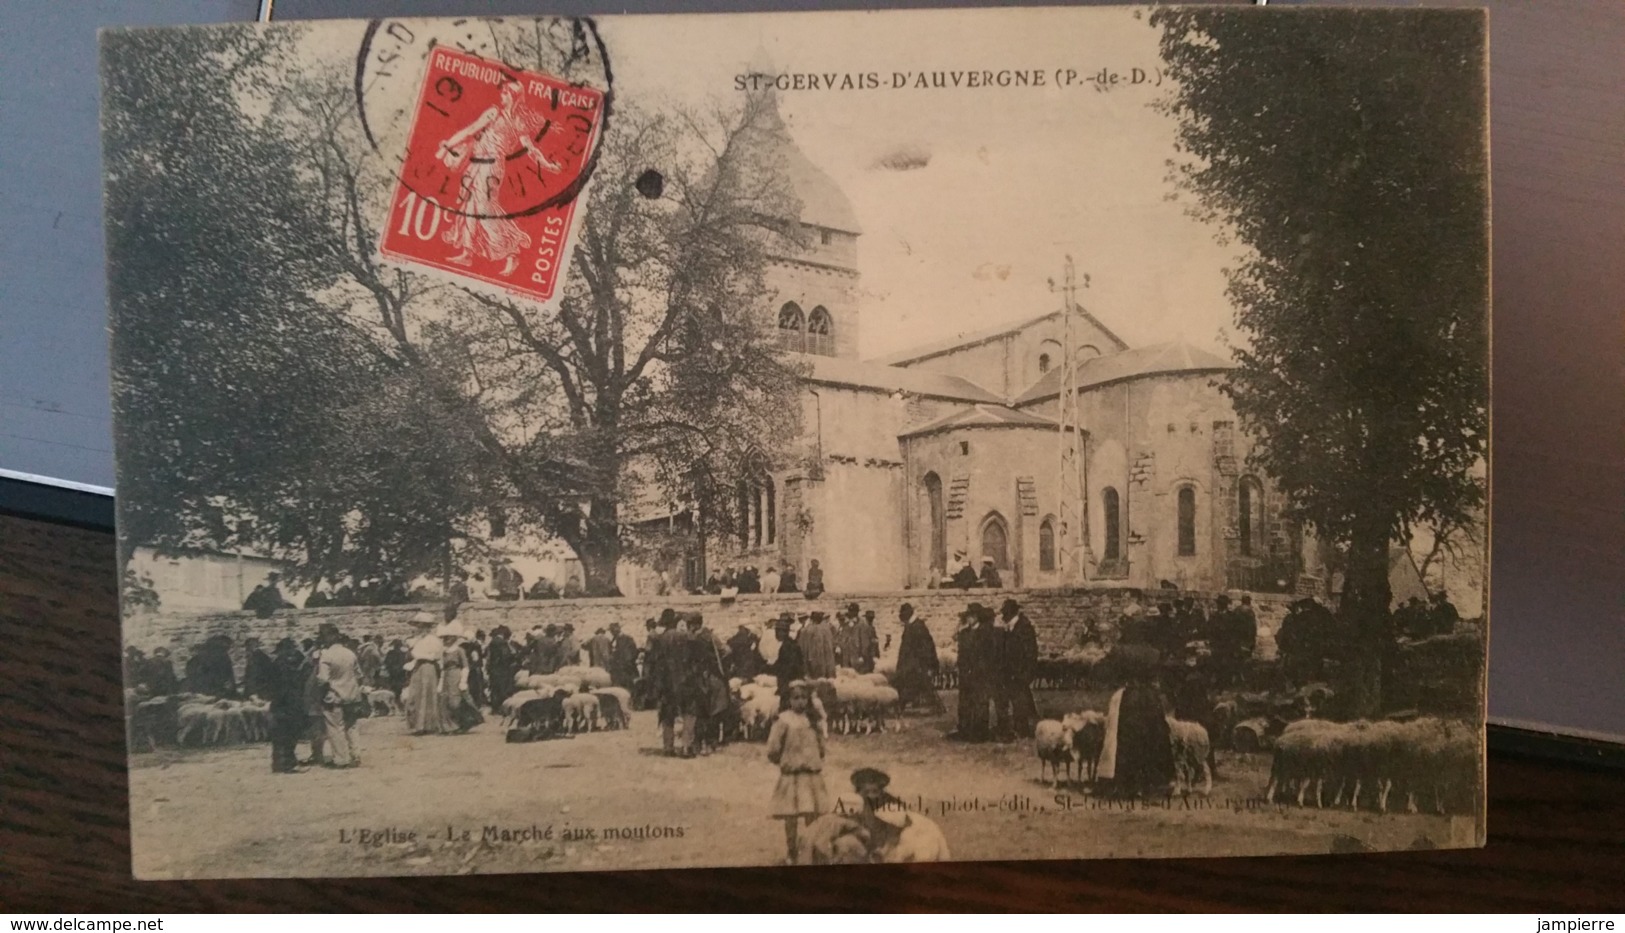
422 695
458 713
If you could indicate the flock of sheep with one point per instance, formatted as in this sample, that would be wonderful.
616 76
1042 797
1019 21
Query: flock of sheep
571 700
850 702
1429 762
196 721
1078 739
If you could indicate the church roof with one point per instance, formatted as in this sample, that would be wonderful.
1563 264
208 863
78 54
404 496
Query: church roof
823 203
1173 357
982 416
859 374
964 341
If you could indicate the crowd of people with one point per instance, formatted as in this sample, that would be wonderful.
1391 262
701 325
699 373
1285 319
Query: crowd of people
1169 659
685 668
748 579
318 688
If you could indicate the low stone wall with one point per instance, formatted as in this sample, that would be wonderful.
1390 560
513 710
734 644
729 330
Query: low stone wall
1060 615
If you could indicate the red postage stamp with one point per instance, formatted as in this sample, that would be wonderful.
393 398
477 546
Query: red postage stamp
494 163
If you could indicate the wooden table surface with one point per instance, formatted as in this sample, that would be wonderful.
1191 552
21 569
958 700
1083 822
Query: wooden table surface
1557 832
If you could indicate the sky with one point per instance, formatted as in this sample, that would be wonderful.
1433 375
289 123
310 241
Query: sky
1013 180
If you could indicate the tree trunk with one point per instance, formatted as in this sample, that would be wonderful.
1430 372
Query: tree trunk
1364 613
600 549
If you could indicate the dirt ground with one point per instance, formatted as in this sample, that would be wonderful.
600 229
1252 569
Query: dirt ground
609 800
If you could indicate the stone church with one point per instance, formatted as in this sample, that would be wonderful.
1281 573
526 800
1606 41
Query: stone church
909 464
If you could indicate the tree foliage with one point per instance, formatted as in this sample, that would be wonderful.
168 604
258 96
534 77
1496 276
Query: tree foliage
246 403
1347 154
370 418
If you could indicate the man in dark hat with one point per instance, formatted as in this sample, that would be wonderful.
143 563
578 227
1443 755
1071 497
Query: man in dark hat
290 670
1015 711
817 641
623 658
256 669
791 664
501 666
868 644
976 673
917 662
209 669
666 664
712 706
744 659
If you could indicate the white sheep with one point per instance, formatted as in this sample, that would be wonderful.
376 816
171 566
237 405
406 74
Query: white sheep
1052 740
1088 741
1191 749
581 712
615 705
920 840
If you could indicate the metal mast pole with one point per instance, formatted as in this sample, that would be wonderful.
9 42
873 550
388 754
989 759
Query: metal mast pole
1075 558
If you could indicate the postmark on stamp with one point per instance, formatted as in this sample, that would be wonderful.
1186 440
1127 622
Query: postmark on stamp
493 164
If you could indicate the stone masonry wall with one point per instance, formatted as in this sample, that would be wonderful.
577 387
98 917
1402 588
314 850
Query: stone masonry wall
1059 615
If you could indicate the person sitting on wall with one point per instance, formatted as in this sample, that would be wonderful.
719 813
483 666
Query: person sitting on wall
267 598
1443 615
457 593
815 580
990 575
965 577
787 580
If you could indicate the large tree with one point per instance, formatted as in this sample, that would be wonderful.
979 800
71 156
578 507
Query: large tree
251 415
653 372
1347 155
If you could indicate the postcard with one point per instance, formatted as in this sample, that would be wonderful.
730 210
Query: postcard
568 444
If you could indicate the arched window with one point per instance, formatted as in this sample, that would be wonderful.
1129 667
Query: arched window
996 541
1088 352
820 332
792 327
755 515
1049 356
770 511
1111 517
758 505
1046 545
1249 514
1187 521
932 485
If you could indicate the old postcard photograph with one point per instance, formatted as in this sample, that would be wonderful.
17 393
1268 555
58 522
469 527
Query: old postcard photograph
566 444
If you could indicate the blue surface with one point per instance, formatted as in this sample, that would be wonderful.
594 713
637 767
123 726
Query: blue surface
54 410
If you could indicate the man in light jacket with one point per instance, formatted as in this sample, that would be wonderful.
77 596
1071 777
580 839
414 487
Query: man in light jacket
340 685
